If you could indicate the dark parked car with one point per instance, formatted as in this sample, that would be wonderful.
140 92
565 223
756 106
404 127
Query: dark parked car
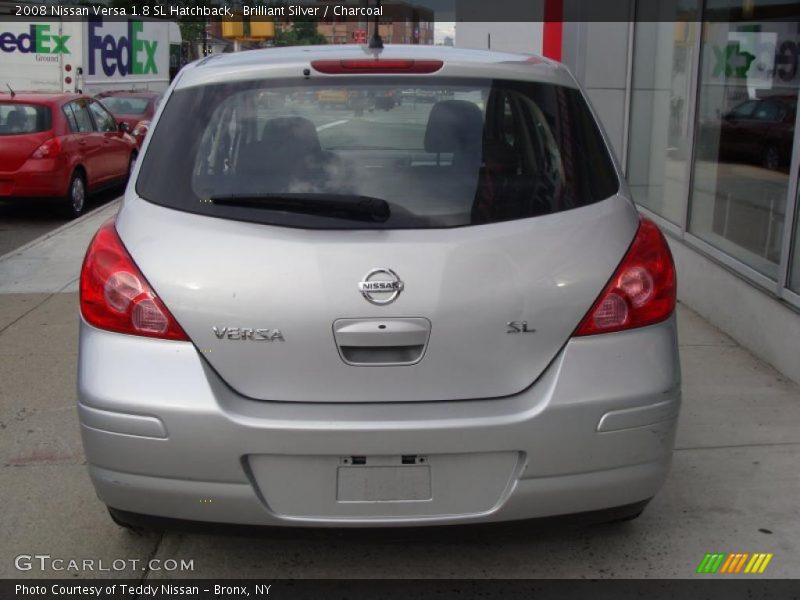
757 131
60 145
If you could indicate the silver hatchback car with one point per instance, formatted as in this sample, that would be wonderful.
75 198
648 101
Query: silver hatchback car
353 289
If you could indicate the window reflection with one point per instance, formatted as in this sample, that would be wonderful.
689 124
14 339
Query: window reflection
746 111
794 275
663 71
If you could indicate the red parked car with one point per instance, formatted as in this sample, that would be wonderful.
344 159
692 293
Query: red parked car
60 145
134 108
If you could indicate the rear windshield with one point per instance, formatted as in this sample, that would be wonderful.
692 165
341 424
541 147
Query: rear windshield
125 105
16 118
376 153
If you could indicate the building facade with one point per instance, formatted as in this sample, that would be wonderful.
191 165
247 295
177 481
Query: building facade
401 23
701 108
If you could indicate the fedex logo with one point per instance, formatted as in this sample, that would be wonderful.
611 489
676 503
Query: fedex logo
37 40
126 55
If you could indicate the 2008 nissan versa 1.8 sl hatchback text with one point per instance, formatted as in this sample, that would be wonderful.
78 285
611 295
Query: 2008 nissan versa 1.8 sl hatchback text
441 309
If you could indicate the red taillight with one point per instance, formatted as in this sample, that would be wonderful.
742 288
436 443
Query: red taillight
115 295
376 65
50 149
642 290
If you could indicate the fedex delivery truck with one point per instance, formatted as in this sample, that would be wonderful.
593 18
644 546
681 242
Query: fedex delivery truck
88 56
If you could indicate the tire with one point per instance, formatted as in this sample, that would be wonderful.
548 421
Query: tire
138 523
772 158
627 518
75 203
119 518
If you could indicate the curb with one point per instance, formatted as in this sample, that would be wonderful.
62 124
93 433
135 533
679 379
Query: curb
59 229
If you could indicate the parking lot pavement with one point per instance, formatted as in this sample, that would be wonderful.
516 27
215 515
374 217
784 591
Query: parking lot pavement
734 483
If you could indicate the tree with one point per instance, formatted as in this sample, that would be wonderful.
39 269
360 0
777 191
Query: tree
301 33
191 29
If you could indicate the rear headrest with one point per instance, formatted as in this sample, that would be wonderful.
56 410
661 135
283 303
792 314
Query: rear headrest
454 126
292 134
16 118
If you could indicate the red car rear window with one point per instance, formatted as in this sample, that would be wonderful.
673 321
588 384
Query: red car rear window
17 118
126 105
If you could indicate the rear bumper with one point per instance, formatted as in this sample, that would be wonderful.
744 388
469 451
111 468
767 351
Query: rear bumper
36 178
164 436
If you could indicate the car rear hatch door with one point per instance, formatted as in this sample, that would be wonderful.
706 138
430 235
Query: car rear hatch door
15 150
280 313
19 137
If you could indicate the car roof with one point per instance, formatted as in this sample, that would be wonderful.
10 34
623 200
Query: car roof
129 94
39 97
289 62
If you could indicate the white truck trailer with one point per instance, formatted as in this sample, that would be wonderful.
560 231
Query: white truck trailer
88 56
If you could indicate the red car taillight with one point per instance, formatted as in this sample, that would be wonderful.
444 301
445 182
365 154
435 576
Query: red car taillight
50 149
115 295
642 290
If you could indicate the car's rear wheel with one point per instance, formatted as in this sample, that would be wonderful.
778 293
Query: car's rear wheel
130 521
627 518
76 195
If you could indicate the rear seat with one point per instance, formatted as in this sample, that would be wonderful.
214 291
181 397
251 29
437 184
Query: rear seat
288 157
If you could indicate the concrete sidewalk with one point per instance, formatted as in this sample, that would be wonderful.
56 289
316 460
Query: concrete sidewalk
734 485
52 263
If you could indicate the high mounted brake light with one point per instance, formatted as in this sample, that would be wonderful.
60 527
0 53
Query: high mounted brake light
376 65
642 290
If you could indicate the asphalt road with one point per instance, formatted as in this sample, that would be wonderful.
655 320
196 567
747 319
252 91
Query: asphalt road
23 220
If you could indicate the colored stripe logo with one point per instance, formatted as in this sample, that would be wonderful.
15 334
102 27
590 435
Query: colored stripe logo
734 563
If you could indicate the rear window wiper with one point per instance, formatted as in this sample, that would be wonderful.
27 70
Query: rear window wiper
337 206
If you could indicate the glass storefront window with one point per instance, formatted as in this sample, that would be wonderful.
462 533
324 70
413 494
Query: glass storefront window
794 274
746 109
658 147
